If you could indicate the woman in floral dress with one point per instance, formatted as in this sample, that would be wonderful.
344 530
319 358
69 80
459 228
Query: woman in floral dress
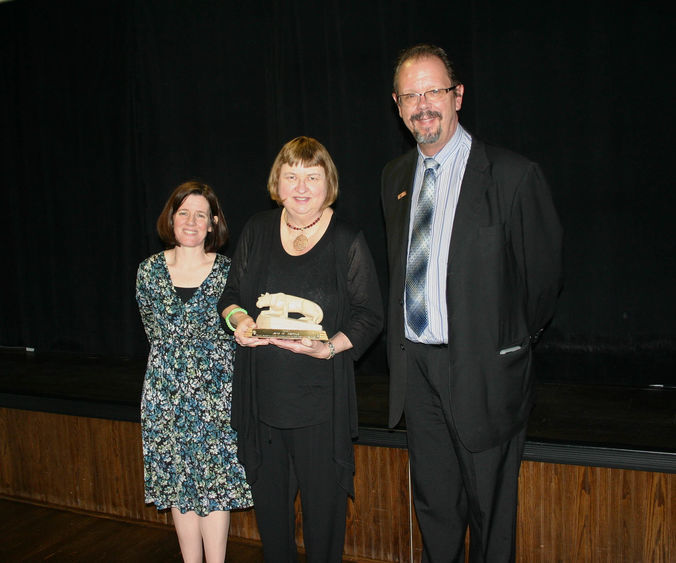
189 447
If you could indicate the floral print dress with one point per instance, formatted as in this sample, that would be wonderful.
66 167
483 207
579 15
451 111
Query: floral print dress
189 447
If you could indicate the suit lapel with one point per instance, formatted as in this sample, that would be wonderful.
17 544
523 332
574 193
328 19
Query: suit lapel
474 184
403 193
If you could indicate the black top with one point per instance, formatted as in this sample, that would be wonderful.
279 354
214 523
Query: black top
185 293
359 316
300 395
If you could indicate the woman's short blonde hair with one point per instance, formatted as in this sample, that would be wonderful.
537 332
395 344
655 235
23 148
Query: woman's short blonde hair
307 152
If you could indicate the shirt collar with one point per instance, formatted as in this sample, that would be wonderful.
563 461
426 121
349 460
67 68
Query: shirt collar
448 150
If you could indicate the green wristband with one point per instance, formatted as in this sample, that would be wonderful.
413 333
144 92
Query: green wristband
235 310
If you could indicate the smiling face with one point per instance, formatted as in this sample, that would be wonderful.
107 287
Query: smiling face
432 123
302 191
192 221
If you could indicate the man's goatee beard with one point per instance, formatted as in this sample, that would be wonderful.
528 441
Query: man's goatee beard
426 138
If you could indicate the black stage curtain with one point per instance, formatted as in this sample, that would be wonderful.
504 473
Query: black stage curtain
107 106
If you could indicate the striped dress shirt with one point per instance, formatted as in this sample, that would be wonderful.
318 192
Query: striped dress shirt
452 159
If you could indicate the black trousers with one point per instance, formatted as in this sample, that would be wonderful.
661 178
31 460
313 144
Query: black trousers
452 487
292 460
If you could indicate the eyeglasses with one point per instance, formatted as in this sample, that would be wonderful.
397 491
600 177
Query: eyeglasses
434 95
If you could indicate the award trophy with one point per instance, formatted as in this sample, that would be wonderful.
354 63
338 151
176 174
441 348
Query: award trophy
274 322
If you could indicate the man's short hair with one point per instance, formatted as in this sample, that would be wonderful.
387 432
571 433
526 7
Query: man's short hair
423 51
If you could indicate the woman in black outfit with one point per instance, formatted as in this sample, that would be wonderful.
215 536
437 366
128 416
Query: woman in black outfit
296 412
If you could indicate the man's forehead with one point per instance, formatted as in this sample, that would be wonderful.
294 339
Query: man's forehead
409 65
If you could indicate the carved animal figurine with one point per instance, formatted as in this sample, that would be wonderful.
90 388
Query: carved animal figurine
280 304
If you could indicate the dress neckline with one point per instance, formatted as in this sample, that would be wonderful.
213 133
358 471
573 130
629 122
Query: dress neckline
198 288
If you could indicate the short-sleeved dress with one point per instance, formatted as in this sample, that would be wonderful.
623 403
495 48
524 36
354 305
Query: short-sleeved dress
189 447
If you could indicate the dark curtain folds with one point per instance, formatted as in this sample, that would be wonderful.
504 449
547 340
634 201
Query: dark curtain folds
107 106
69 181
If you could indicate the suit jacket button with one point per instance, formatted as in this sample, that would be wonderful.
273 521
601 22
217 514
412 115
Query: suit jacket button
402 347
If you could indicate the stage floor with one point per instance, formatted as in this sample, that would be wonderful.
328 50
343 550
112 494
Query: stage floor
581 401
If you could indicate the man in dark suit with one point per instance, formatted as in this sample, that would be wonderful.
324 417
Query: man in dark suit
474 249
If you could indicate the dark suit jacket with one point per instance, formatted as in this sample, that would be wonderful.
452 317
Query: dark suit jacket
504 277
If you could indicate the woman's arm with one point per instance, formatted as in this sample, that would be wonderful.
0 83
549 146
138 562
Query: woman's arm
242 322
144 301
366 307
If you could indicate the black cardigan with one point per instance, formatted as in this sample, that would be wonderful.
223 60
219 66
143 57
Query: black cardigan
360 319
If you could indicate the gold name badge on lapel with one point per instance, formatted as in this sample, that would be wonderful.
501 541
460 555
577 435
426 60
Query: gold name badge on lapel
402 194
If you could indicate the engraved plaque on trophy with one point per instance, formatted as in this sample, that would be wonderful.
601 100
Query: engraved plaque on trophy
274 321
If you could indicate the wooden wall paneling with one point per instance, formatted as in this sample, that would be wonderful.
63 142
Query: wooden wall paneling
531 511
574 513
658 527
670 532
243 525
7 458
577 489
566 513
624 493
82 463
378 520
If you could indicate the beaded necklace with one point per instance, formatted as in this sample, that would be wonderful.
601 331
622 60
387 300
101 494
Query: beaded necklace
301 241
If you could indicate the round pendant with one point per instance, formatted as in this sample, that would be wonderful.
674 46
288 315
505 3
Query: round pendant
300 243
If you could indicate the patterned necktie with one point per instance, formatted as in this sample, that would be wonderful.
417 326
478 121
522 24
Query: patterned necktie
419 251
